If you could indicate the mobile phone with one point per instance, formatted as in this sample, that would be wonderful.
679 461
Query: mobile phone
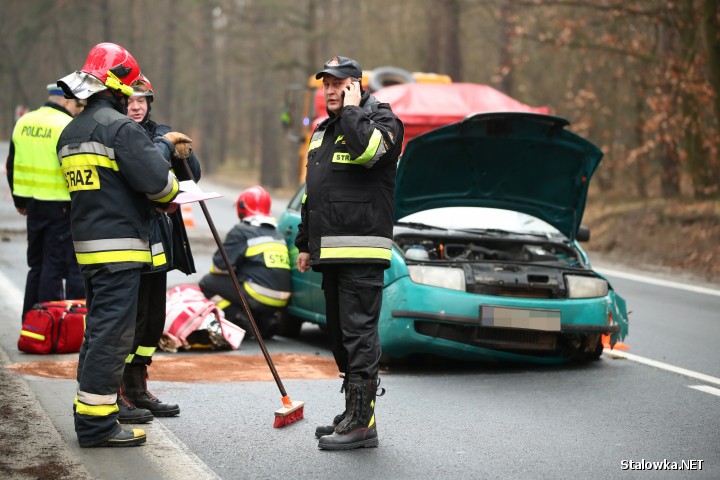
342 94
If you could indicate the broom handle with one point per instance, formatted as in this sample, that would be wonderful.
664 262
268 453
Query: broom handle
236 284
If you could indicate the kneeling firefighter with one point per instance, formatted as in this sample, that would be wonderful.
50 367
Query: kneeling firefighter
260 258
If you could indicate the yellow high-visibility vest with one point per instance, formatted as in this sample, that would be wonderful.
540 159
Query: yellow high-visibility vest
36 170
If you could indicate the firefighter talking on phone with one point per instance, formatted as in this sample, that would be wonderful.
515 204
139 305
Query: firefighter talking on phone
346 234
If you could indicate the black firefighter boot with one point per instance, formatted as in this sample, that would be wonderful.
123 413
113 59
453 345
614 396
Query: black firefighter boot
329 429
128 413
358 428
135 390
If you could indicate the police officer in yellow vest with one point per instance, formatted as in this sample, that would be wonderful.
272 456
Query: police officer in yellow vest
39 192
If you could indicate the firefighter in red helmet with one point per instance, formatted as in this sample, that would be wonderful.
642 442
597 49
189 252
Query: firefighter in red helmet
260 258
116 177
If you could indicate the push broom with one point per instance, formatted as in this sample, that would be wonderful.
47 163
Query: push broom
291 411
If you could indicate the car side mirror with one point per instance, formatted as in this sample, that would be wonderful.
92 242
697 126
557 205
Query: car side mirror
583 234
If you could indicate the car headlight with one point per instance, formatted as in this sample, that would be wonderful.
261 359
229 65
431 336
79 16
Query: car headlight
443 277
585 287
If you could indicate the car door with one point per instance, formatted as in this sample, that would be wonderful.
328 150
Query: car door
307 300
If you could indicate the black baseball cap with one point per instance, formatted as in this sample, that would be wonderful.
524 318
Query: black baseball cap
341 67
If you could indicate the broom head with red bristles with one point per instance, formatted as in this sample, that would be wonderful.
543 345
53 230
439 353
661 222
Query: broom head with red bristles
291 412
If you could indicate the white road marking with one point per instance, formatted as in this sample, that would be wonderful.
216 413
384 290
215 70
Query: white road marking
706 389
168 453
663 366
9 292
659 282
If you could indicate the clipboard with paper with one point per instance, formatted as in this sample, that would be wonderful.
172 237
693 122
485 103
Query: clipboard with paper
190 192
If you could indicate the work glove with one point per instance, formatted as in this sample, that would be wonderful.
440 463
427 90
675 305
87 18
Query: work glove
182 144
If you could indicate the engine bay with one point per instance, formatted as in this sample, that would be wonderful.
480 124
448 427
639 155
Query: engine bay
481 249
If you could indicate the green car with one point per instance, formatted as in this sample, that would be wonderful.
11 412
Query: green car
486 262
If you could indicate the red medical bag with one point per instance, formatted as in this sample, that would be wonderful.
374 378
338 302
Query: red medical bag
53 327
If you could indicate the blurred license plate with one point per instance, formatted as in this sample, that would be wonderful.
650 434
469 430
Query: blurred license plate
531 319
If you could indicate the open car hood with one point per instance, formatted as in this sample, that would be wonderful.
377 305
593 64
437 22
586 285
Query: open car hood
515 161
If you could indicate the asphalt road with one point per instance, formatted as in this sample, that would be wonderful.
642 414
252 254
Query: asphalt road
438 419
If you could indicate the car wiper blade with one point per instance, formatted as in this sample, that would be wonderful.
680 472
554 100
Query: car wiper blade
498 231
420 226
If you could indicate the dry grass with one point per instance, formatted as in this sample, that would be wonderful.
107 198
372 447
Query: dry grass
678 234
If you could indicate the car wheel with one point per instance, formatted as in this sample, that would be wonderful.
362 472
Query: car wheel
289 326
595 355
388 361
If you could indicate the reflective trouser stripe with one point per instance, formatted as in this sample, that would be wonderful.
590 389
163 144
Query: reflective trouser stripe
141 352
222 304
111 319
95 404
273 298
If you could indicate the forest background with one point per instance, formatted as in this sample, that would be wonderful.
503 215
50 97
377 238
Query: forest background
640 79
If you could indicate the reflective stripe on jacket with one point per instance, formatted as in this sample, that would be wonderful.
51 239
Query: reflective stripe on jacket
36 171
260 257
115 176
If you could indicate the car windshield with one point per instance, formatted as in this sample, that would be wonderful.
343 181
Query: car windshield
481 218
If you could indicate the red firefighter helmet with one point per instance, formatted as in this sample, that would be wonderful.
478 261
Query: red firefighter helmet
143 88
114 66
253 201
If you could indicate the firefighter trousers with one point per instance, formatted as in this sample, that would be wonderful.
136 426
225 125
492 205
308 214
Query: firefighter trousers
150 317
222 285
50 255
109 330
353 298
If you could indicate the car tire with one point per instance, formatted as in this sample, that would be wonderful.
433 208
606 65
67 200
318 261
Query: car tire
388 361
289 326
597 353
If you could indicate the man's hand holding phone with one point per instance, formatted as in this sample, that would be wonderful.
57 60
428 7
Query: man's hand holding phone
351 94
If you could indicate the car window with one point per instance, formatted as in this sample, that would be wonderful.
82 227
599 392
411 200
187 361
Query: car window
296 200
481 217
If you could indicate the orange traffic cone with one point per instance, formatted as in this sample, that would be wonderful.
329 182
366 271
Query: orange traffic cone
618 345
188 219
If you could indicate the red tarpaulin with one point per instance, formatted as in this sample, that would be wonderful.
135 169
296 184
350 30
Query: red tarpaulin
425 106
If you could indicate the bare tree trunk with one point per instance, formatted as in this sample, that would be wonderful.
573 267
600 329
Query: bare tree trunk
505 56
106 18
170 51
669 155
641 164
451 32
712 41
312 60
209 125
433 37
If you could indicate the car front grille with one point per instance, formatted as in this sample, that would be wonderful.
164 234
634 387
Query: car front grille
525 292
509 339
